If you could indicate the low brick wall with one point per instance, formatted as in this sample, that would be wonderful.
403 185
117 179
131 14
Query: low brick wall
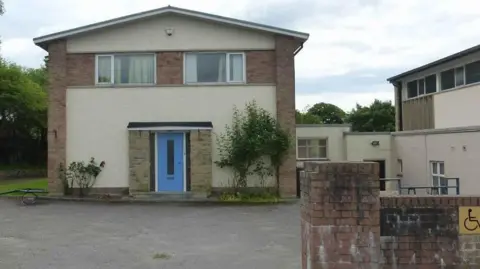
424 231
346 224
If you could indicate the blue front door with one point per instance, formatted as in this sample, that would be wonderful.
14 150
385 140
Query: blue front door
170 162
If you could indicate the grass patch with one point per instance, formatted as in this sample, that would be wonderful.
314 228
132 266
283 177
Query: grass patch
249 197
162 256
14 184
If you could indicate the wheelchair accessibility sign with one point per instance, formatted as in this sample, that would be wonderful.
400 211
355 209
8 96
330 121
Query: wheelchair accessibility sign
469 220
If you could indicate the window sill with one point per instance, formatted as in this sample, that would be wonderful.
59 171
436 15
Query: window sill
214 83
122 85
313 159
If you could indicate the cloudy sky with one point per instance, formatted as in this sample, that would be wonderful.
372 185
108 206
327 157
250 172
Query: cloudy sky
354 45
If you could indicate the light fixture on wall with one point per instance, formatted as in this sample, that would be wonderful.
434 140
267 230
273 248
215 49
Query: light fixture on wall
169 31
375 143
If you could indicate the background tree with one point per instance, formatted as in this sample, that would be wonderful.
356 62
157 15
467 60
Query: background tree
23 115
327 113
306 118
378 117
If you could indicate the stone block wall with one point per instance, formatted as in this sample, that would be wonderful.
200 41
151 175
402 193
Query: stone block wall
139 161
346 224
201 161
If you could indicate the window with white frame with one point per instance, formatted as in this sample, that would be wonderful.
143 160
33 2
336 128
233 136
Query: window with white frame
125 69
438 176
312 148
214 67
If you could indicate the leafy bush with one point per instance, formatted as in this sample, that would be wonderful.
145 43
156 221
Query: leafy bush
80 174
254 143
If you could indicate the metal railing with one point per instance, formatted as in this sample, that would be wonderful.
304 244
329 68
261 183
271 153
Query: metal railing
431 190
407 190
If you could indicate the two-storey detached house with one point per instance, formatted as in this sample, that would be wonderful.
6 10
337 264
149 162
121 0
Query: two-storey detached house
148 94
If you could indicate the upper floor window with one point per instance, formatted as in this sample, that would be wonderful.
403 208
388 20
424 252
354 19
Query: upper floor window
472 72
422 86
448 79
214 67
312 148
125 69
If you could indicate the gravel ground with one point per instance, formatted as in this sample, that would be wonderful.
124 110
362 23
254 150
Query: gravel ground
67 235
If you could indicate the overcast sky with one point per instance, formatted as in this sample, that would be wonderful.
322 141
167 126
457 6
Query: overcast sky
354 45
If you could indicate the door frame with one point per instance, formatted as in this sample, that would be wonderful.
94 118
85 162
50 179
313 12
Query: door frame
184 154
376 160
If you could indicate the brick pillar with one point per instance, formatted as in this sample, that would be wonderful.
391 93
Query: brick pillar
57 94
285 96
398 103
340 214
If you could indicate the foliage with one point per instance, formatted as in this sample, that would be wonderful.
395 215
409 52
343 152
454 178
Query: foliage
254 143
327 113
378 117
2 7
23 115
306 118
82 175
263 197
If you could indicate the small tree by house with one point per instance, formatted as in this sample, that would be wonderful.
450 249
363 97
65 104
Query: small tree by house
254 144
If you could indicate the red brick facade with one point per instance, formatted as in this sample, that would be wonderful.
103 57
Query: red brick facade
169 68
81 69
261 66
285 81
57 132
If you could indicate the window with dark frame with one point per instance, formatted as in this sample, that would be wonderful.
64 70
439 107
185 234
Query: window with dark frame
431 83
472 72
412 88
448 79
421 86
459 76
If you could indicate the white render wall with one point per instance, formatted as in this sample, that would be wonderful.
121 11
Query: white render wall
359 148
457 108
189 35
460 151
97 120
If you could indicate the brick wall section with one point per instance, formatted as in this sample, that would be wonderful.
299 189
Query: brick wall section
139 161
340 215
285 98
423 232
169 68
201 161
261 66
57 74
81 69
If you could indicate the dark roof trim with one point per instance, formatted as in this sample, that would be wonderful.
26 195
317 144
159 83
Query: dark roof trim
435 63
170 125
42 41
